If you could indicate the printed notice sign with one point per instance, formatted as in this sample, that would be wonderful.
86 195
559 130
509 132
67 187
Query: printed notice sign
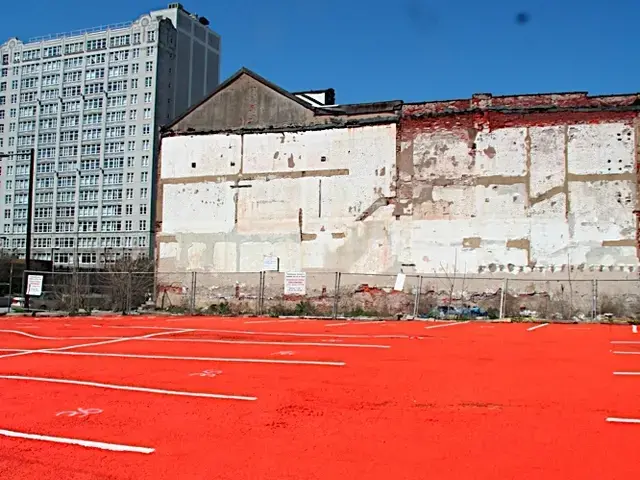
270 264
295 283
34 285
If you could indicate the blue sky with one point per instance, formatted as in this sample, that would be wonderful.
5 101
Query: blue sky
412 50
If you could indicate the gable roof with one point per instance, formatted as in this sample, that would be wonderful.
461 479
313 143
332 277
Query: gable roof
229 81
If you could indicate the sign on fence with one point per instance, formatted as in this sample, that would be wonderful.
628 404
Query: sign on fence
295 283
34 285
399 286
270 264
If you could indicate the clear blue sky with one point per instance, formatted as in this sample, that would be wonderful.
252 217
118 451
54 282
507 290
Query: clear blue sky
412 50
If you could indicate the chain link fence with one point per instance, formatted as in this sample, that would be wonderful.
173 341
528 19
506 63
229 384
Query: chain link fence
337 295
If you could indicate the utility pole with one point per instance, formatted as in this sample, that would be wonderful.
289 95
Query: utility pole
27 257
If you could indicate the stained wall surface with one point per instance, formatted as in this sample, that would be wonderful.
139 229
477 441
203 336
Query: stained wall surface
434 193
524 195
228 200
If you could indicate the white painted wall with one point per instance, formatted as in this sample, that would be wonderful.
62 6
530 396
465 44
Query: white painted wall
512 190
550 161
235 234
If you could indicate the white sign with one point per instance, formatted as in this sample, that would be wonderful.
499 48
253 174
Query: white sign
295 283
399 286
270 264
34 285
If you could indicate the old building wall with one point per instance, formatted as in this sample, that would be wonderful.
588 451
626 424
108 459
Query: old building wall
481 185
485 192
311 198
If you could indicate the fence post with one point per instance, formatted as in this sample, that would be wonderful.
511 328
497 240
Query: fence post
129 294
336 295
76 289
416 302
594 302
155 285
503 297
194 284
264 289
259 303
11 279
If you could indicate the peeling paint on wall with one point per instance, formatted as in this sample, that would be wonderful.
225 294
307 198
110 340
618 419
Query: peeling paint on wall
474 185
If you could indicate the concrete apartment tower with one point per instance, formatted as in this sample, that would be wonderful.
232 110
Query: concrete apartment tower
91 103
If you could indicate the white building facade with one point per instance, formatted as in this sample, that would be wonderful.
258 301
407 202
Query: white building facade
90 103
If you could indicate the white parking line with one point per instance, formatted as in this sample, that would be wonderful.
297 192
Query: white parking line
445 325
625 353
207 340
172 357
531 329
106 342
279 334
627 373
623 420
634 329
40 337
114 447
127 387
626 342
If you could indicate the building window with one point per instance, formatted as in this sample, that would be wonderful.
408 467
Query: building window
119 71
130 177
151 36
73 48
143 209
121 56
120 41
143 193
148 81
98 44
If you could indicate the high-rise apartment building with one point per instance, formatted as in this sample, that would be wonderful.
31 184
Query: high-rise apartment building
90 103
